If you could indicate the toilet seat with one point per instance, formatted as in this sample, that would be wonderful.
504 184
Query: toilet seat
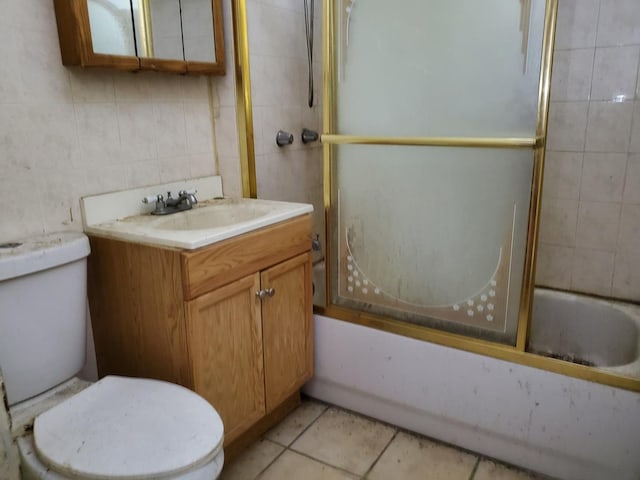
128 428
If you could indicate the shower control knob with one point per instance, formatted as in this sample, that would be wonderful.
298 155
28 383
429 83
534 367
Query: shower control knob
283 138
309 136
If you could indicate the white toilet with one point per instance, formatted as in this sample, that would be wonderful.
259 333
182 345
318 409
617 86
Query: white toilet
116 428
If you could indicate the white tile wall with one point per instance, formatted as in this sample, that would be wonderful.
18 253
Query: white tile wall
577 23
554 266
603 177
279 75
562 174
609 126
590 223
614 72
572 70
68 132
567 126
558 221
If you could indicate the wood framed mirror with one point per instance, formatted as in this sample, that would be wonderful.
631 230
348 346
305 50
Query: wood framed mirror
179 36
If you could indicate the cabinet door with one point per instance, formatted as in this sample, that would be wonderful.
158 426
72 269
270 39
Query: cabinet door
287 330
225 345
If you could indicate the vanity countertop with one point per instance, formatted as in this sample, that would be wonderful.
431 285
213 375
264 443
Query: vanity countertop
208 222
123 216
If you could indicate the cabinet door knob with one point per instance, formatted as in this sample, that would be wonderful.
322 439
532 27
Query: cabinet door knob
269 292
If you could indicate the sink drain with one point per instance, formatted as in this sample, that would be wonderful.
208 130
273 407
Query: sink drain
10 245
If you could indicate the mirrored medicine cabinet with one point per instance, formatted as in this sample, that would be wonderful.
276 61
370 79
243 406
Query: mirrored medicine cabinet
180 36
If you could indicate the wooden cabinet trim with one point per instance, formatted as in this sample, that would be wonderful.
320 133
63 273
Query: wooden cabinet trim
216 265
68 33
163 65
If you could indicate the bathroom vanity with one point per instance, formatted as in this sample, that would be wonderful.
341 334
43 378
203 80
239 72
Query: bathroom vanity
231 320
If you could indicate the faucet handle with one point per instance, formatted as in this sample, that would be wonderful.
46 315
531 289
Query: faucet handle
160 203
152 198
189 196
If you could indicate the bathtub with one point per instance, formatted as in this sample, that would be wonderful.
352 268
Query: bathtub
560 426
591 331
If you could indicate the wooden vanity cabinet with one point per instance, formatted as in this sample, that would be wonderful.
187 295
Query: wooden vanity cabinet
194 318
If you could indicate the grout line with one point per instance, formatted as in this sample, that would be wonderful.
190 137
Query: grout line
271 462
475 468
617 250
393 437
286 447
335 407
306 455
326 407
301 432
479 457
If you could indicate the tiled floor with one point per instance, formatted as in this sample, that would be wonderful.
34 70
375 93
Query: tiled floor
318 441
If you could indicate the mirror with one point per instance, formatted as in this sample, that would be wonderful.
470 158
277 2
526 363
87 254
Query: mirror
111 27
198 36
175 29
180 36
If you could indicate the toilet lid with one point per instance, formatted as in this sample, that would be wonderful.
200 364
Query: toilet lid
128 428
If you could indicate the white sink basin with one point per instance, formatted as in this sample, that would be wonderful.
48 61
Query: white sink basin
220 213
208 222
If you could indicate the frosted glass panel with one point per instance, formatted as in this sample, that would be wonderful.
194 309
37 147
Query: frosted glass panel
438 68
111 27
435 236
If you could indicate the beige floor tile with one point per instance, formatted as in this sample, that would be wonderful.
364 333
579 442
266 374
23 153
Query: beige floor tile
288 430
412 458
293 466
252 461
488 470
344 440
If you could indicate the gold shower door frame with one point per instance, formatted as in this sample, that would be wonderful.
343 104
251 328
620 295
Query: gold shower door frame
516 353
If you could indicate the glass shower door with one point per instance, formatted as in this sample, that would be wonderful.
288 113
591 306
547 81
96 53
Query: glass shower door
432 159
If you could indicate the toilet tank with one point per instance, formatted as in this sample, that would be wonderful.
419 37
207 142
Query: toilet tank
43 290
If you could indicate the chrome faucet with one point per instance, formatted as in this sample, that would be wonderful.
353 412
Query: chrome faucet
185 197
185 200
